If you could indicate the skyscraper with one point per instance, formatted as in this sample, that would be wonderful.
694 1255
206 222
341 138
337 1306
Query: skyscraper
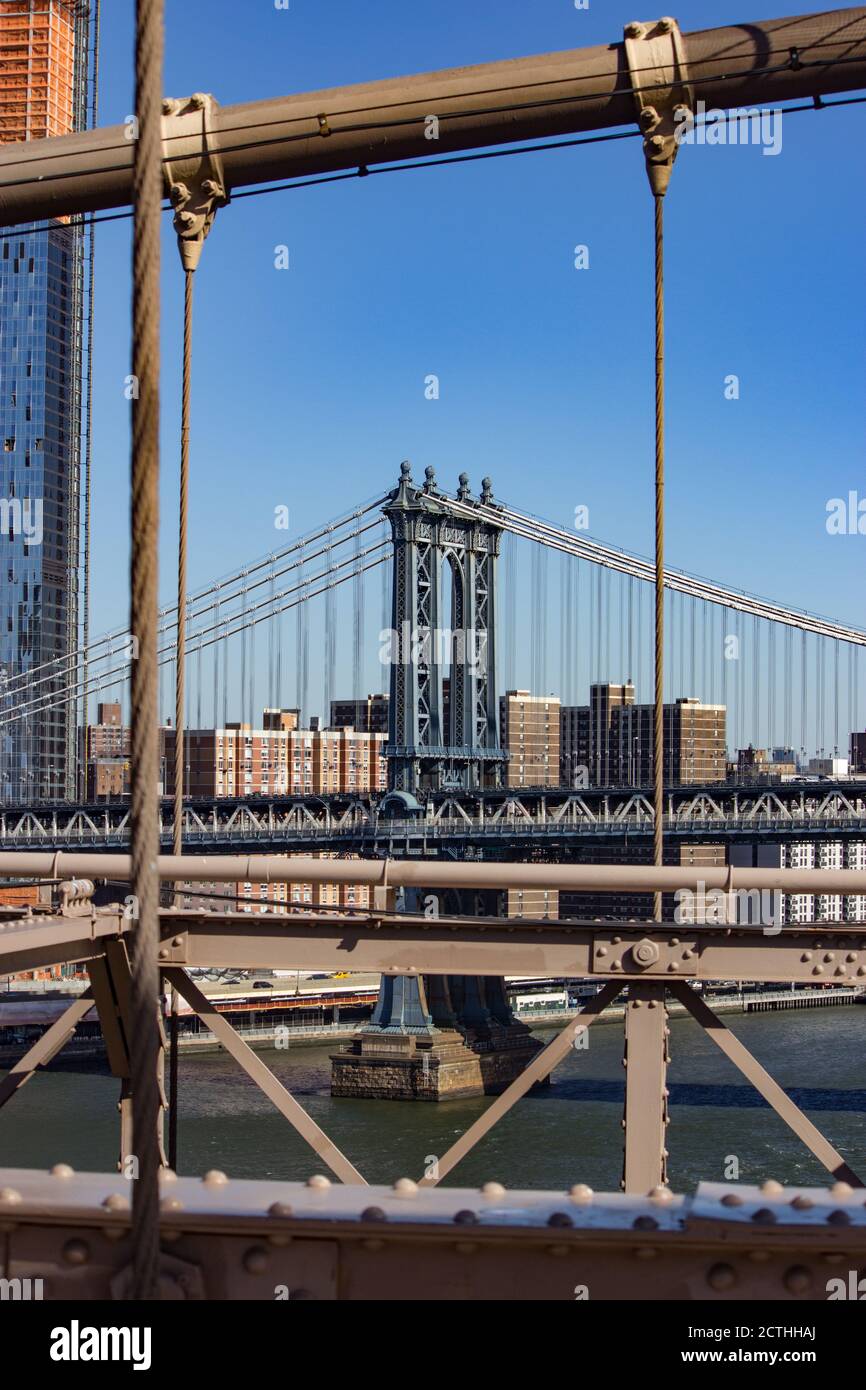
44 64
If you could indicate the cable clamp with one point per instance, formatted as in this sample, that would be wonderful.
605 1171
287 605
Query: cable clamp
195 183
656 58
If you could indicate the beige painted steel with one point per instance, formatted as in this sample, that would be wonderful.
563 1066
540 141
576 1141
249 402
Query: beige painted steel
397 873
46 1047
495 103
540 1067
228 1239
264 1078
763 1082
645 1057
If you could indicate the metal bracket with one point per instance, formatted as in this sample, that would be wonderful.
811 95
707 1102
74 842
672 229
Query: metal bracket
658 957
196 184
656 59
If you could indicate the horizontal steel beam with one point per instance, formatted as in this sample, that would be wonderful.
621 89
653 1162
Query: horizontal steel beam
491 104
430 873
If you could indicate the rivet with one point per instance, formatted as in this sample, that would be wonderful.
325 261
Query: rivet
661 1194
797 1279
318 1180
616 965
851 957
214 1178
171 1204
373 1214
817 970
465 1218
841 1189
76 1252
9 1197
675 941
721 1277
62 1170
674 966
178 941
839 1218
559 1218
645 1223
405 1187
581 1194
493 1189
602 951
163 953
279 1209
115 1201
634 30
772 1188
636 1003
764 1215
801 1203
256 1260
167 1175
806 956
829 956
616 940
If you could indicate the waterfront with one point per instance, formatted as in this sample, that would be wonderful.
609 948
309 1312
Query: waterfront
568 1134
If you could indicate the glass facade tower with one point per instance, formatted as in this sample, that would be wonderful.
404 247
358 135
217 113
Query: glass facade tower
44 61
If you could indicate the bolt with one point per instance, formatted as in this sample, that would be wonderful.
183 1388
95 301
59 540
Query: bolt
634 30
183 219
797 1279
178 193
649 118
656 143
197 101
256 1260
721 1277
76 1252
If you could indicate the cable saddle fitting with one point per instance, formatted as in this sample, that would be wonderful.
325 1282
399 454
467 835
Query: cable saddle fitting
195 184
658 74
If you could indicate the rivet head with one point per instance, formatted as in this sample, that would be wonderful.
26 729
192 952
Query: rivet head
405 1187
373 1214
801 1203
9 1197
167 1175
214 1178
721 1276
171 1204
465 1218
797 1279
764 1215
279 1209
256 1260
318 1180
493 1189
838 1218
634 30
772 1188
559 1218
115 1201
841 1189
163 953
76 1252
645 1223
661 1194
62 1170
581 1194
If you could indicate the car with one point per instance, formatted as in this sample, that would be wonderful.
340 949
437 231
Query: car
262 984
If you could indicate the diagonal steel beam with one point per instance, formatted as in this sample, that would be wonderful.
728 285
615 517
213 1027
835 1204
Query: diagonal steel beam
763 1082
540 1067
46 1047
264 1078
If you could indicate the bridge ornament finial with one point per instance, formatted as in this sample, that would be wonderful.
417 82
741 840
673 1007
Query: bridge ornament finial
486 492
463 493
656 59
430 479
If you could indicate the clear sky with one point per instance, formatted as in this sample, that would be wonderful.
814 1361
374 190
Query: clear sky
309 383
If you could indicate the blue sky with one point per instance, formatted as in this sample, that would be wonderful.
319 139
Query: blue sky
309 384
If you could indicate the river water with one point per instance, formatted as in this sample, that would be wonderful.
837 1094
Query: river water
571 1133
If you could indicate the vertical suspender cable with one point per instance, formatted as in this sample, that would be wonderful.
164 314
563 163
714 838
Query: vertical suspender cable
658 719
180 683
88 405
144 805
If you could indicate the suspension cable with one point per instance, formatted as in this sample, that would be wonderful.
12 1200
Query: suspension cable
658 721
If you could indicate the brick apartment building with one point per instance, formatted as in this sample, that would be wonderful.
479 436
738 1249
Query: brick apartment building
609 742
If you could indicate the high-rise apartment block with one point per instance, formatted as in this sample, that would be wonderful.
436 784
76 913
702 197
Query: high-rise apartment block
44 51
529 734
609 742
369 715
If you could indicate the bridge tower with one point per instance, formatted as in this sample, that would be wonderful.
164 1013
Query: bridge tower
440 1037
432 743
